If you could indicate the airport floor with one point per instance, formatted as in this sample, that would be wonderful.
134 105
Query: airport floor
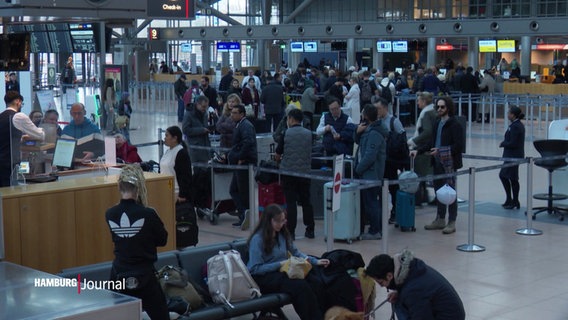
516 277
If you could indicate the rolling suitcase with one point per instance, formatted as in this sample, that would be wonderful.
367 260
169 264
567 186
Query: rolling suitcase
405 213
269 194
346 221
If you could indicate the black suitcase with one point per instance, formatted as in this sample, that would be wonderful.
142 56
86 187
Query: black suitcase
187 231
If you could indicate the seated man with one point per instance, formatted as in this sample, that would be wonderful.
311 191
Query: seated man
81 127
124 151
337 129
421 292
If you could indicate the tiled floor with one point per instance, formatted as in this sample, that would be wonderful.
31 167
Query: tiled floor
516 277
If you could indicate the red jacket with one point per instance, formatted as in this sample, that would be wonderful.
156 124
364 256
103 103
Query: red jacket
128 153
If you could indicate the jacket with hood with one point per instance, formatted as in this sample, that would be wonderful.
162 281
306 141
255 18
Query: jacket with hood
423 293
372 152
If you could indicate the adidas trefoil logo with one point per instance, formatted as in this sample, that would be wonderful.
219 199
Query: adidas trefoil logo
126 230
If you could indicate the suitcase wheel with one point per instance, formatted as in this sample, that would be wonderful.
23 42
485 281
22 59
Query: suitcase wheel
349 241
408 229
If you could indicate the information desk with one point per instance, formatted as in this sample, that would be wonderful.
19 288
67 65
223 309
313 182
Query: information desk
22 296
57 225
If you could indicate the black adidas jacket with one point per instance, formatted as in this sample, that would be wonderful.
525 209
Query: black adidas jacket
136 232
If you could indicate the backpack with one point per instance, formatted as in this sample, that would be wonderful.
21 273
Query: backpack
175 284
366 91
229 280
386 92
190 96
397 147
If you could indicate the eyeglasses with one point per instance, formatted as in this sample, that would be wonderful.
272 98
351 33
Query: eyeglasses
441 107
280 221
235 112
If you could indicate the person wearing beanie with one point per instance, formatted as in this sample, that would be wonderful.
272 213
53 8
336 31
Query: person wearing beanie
308 103
419 291
513 147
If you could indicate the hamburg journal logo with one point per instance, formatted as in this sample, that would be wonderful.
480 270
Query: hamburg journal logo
81 285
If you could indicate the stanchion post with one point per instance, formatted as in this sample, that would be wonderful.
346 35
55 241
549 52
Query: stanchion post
384 215
253 199
160 144
471 246
529 231
330 217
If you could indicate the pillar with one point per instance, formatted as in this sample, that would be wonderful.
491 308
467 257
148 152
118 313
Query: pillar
489 59
261 53
206 56
237 63
525 55
431 53
225 59
473 55
351 58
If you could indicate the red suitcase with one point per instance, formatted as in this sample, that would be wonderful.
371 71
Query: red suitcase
269 194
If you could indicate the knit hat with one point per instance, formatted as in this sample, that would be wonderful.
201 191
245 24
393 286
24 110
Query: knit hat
379 266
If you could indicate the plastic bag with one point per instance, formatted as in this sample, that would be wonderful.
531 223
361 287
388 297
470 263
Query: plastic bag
446 194
296 268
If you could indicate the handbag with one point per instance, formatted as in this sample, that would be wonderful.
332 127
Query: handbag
296 268
249 111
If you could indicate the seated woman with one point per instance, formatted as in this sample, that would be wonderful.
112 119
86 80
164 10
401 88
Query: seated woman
125 151
269 246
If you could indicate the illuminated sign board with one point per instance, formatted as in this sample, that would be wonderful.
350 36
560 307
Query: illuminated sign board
550 46
505 45
185 47
153 34
384 46
400 46
228 46
297 46
171 9
444 47
310 46
487 46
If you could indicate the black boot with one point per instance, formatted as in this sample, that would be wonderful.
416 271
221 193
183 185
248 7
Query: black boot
487 118
479 118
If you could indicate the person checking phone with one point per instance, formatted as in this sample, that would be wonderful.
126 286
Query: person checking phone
337 130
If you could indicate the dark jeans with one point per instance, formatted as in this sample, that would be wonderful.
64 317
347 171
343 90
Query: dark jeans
391 173
304 298
239 190
181 110
453 208
372 209
297 191
272 121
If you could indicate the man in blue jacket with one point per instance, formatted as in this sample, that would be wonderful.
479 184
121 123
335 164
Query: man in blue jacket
370 165
80 127
421 291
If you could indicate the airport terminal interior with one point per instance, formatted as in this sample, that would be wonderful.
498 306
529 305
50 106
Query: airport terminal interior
503 265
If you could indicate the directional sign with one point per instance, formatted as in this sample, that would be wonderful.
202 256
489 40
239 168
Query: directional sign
337 176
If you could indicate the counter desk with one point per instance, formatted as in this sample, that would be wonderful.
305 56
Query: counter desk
57 225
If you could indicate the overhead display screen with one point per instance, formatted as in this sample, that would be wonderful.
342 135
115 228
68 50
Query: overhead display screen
228 46
384 46
505 45
59 38
83 37
297 46
400 46
39 40
310 46
487 46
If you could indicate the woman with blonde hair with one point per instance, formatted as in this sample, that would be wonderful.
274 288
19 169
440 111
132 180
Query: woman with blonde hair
226 125
136 231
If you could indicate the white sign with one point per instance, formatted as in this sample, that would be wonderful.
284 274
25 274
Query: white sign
337 177
110 150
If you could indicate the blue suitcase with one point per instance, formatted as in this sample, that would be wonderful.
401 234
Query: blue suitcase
405 214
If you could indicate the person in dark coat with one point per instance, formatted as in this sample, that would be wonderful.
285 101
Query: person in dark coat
273 98
421 291
513 147
226 80
470 84
446 148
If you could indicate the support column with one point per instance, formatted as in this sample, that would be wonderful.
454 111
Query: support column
261 53
351 53
378 59
293 57
525 55
473 55
206 57
237 64
431 53
489 59
225 59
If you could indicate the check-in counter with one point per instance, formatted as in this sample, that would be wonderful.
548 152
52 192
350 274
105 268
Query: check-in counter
534 88
56 225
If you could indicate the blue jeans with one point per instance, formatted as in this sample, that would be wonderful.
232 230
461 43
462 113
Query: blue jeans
181 110
372 209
